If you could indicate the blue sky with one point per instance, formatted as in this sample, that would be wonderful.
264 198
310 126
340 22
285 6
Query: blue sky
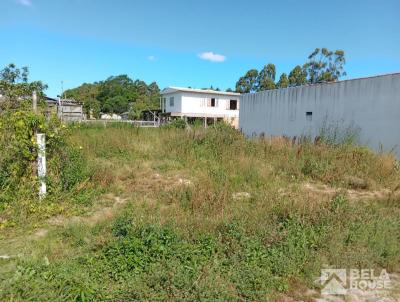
192 43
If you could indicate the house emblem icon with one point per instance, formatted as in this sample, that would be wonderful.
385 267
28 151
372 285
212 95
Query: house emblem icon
333 282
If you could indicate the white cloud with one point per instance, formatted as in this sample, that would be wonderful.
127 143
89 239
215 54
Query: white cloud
212 57
151 58
25 2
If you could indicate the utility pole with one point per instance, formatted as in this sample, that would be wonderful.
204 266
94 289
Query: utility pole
61 102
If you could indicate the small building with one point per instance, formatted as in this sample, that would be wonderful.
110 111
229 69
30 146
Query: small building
368 109
51 106
208 106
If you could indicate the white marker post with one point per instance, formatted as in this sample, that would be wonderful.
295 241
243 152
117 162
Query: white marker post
41 164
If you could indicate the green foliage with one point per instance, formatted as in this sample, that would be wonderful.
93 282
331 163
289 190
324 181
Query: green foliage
297 77
177 241
12 74
122 226
176 124
15 88
325 66
73 169
283 81
158 262
117 94
66 167
248 83
18 143
266 78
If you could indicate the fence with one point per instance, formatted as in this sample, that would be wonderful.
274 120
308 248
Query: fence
131 122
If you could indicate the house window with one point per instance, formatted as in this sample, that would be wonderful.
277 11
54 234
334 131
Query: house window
164 103
171 101
309 115
233 105
212 102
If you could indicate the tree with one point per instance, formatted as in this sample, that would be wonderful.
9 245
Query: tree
297 76
325 66
154 94
266 78
248 83
15 88
87 93
14 75
283 81
117 94
92 108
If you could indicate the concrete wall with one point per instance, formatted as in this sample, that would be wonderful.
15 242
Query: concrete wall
369 106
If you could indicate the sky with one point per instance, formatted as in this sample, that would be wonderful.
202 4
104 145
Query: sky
192 43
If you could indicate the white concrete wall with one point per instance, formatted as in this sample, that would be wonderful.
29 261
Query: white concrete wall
370 105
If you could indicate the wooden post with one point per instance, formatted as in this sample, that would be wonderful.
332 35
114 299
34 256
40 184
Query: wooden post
34 101
41 164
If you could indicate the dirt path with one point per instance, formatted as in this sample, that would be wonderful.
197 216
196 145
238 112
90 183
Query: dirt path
353 195
94 217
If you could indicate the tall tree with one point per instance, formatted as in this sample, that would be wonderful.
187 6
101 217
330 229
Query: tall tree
266 78
15 88
283 81
248 83
297 76
325 66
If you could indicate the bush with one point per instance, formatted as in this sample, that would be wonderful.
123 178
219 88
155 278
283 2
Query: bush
66 168
18 149
176 124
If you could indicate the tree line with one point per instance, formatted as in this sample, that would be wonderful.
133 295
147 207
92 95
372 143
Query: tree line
117 94
323 65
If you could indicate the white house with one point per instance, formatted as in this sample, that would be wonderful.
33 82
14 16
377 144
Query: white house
208 105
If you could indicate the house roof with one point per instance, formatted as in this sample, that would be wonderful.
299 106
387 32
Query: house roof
191 90
50 100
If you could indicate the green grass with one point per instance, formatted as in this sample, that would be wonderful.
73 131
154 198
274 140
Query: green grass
182 235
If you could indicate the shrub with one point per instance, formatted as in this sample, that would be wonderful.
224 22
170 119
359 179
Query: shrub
176 124
18 149
122 226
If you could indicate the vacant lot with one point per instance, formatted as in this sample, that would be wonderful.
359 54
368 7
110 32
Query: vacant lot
170 214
